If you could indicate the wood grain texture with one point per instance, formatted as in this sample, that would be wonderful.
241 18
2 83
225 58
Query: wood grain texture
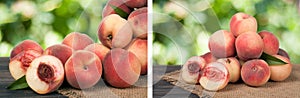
163 88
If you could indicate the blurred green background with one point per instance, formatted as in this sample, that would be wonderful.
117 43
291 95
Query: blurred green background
46 21
181 28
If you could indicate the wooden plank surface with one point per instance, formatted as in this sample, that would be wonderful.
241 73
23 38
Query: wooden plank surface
162 88
6 79
286 89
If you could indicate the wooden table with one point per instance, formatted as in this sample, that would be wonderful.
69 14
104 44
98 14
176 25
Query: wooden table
162 88
6 79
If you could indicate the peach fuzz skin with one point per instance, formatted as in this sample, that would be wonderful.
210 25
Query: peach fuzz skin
83 69
241 23
121 68
255 72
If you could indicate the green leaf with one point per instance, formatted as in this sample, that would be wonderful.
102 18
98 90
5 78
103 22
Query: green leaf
271 60
120 12
18 84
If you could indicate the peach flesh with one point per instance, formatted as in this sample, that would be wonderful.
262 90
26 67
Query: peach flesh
19 64
281 72
45 74
233 67
215 76
248 46
221 44
208 57
271 43
191 70
26 45
121 68
255 72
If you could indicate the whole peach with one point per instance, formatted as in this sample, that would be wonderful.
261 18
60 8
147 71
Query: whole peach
248 46
99 49
83 69
221 44
61 51
138 20
115 32
271 43
77 41
139 48
255 72
241 23
121 68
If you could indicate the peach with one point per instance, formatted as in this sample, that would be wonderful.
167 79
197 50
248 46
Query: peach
108 9
208 57
221 44
99 49
121 68
77 41
61 51
249 45
283 53
138 20
26 45
83 69
135 3
281 72
191 69
271 43
45 74
255 72
114 32
215 76
139 48
241 23
18 64
233 66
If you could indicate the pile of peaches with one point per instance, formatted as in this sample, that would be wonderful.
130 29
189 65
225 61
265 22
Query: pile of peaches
119 59
239 53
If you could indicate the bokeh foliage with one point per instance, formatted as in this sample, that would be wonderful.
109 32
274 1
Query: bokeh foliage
198 19
46 21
